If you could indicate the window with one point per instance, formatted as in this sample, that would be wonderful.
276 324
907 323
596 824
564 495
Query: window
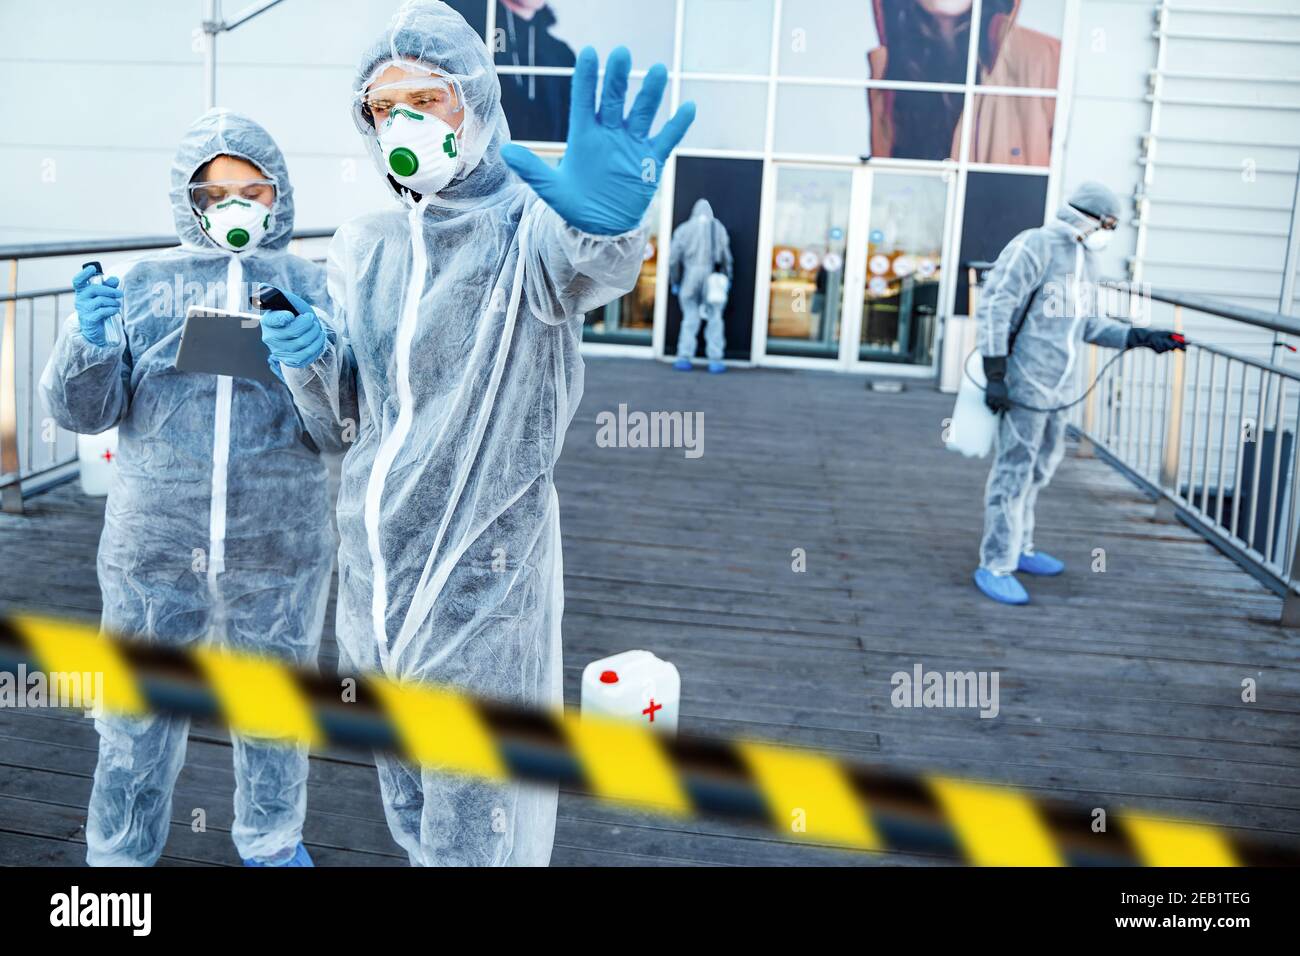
738 114
747 27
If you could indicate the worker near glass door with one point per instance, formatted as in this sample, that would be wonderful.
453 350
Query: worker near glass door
700 268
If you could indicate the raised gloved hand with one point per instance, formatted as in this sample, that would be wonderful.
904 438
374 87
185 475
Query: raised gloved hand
295 340
1158 340
96 304
996 394
611 166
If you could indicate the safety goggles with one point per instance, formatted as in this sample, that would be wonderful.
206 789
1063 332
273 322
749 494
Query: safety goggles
1107 221
427 94
205 195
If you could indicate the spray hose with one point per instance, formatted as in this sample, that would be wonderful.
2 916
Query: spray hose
1182 340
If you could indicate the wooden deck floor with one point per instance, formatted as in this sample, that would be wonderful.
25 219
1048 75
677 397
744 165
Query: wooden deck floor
1119 688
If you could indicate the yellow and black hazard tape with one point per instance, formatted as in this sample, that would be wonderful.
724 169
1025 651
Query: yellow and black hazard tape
803 795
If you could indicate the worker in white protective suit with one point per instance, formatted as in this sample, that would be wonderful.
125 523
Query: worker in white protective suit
217 526
1029 345
449 369
700 269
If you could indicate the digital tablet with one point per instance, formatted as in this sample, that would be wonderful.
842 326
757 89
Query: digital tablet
224 343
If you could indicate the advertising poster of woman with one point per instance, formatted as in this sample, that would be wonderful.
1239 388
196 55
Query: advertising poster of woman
927 41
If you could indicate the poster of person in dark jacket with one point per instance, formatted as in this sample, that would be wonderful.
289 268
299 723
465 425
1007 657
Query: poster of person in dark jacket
537 107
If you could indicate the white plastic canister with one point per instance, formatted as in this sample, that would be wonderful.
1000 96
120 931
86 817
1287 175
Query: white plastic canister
974 426
634 685
97 455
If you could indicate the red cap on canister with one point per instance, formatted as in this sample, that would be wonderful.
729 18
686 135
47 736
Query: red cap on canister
609 677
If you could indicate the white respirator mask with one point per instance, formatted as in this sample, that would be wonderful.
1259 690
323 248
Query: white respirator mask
421 151
236 224
1098 240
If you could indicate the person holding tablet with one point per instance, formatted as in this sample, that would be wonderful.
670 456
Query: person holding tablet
199 541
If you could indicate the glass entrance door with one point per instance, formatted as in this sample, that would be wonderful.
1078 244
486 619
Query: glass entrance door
905 242
810 236
856 261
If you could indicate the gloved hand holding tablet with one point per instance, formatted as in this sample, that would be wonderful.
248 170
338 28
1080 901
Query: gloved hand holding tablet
239 344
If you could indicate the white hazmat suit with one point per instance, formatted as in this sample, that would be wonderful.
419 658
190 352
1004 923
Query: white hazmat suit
451 374
1044 280
699 247
217 524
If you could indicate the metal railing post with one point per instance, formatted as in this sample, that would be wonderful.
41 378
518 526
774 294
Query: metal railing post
1173 446
1291 601
1089 409
11 499
211 29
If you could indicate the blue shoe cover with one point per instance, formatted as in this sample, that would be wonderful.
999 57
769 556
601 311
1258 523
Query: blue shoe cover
1001 587
683 365
1041 564
717 368
300 858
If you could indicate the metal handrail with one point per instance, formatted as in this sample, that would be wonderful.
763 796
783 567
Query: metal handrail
36 294
12 475
1169 431
49 250
1261 318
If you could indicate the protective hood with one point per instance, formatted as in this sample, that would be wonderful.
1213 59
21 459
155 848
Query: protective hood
437 38
1092 196
702 208
1076 221
223 132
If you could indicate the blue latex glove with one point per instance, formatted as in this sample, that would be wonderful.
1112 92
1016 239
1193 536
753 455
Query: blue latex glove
611 166
96 304
293 340
677 290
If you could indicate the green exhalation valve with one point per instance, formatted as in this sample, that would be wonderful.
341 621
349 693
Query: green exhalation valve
237 238
403 162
